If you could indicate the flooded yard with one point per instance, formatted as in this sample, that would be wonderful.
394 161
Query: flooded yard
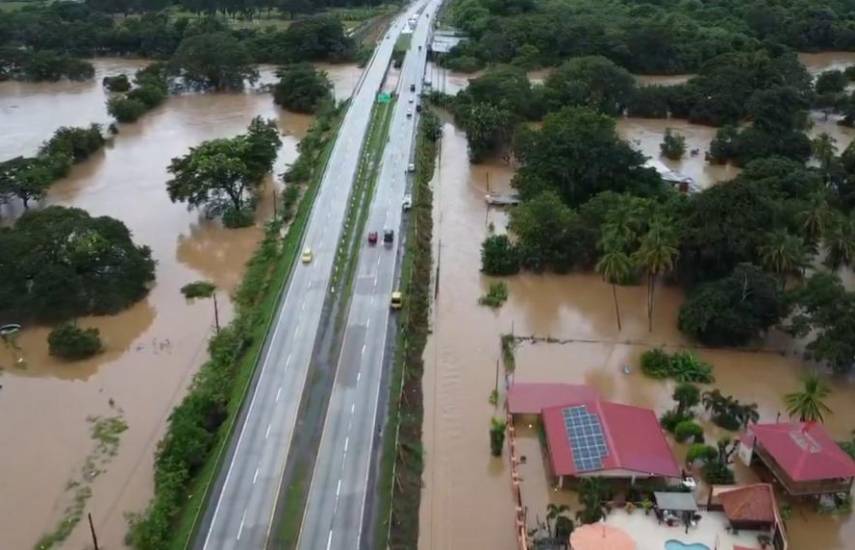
463 354
154 347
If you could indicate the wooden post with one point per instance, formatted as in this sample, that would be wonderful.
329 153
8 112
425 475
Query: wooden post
92 530
274 202
497 379
216 312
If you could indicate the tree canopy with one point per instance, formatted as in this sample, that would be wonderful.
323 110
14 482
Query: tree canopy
214 60
301 88
58 263
222 174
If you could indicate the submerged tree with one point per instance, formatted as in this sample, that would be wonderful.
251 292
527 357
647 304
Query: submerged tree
656 255
615 267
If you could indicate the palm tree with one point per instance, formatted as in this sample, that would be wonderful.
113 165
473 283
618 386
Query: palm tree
656 254
783 253
808 403
553 512
615 266
592 496
824 147
840 241
815 218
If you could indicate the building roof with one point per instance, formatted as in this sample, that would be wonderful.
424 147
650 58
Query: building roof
804 450
601 436
749 503
534 397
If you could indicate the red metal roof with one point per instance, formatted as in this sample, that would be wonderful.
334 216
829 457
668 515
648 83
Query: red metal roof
531 398
749 503
804 450
634 439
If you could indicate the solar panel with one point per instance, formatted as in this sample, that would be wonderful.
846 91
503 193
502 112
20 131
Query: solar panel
585 435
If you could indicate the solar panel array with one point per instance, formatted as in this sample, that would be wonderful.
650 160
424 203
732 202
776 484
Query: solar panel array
585 435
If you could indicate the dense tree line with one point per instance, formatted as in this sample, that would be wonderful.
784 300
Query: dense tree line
59 263
28 178
302 88
42 42
666 37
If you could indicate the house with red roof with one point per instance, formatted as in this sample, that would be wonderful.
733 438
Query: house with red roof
606 439
802 456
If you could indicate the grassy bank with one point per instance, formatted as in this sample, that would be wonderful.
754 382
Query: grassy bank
402 460
200 427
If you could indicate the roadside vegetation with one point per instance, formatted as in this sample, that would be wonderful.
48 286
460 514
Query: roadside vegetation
192 450
402 461
496 295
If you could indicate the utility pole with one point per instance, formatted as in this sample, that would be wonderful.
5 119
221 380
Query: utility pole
92 530
274 202
216 312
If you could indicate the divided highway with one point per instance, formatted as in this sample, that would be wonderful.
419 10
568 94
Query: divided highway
243 502
333 516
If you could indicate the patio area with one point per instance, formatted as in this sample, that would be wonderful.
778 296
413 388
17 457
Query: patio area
711 531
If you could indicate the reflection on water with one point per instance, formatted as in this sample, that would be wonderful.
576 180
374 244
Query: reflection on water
662 79
154 347
462 354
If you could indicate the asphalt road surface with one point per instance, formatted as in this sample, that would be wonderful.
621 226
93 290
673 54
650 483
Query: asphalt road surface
242 504
333 516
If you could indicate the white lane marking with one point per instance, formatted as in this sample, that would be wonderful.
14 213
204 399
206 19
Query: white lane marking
352 408
288 361
278 393
338 488
378 263
363 349
329 540
368 323
242 519
346 440
255 476
267 433
303 307
358 376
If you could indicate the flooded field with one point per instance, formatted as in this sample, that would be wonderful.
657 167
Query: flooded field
463 354
816 63
153 348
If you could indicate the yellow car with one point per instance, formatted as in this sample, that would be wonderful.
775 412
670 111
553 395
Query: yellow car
307 255
396 301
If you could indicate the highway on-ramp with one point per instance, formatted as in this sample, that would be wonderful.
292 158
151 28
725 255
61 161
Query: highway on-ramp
243 502
333 516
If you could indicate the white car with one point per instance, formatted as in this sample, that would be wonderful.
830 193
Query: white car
407 203
411 100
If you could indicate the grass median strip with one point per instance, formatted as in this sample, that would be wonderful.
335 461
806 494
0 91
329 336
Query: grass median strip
399 485
200 427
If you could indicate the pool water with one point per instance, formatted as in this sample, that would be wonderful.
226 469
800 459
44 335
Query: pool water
674 544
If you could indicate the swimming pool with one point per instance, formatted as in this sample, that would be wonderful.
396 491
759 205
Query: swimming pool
675 544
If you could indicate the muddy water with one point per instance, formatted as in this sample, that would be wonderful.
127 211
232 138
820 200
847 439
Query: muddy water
29 111
662 79
462 354
154 347
646 135
816 63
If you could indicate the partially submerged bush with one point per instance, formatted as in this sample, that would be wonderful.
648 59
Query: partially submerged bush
69 341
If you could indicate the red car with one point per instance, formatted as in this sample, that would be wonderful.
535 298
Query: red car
372 238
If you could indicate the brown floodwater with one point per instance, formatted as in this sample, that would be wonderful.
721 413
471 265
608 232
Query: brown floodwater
816 63
463 352
153 348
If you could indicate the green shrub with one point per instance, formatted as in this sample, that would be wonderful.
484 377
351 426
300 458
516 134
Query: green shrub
673 146
700 451
74 143
125 109
497 436
234 218
499 256
656 363
671 419
118 83
685 367
687 429
68 341
496 295
198 289
715 472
